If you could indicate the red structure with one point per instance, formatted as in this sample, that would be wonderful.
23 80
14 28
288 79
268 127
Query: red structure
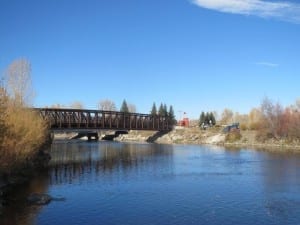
185 121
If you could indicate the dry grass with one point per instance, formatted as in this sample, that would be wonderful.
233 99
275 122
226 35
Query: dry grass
24 134
233 136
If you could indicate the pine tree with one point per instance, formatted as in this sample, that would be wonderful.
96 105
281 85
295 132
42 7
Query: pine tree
202 119
124 107
165 110
172 115
153 110
212 119
207 118
161 110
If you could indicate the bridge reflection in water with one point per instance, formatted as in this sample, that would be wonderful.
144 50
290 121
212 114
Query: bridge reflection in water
76 159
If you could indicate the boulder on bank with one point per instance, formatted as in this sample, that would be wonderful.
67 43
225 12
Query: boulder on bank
39 199
42 199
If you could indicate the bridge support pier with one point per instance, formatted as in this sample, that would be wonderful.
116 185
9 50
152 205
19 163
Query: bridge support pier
93 136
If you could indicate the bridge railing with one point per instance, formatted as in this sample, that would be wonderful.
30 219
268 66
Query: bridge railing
97 119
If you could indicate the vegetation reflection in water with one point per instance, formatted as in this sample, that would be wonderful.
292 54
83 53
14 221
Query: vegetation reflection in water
107 159
119 183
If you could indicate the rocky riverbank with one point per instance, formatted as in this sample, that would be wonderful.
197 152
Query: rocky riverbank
196 136
179 135
212 136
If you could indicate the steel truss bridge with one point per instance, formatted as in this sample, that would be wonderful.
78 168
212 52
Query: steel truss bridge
83 119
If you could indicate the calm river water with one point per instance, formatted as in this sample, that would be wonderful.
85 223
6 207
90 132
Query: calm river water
128 183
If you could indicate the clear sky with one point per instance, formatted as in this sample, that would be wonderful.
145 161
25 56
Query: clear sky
197 55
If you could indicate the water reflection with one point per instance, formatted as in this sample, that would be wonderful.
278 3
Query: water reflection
19 211
72 160
280 177
125 183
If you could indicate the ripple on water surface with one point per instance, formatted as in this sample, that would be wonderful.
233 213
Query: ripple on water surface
119 183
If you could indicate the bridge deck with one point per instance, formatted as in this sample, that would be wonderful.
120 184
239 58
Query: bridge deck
64 119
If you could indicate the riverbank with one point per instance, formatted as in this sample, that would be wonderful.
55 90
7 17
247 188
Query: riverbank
179 135
212 136
196 136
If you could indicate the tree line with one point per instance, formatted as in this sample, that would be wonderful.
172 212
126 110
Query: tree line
270 120
163 111
278 122
207 120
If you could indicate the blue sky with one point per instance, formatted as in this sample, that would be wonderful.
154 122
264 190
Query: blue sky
200 55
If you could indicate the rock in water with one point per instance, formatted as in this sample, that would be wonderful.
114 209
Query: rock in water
39 199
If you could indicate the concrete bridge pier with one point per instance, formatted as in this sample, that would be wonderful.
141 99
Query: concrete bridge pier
111 135
93 136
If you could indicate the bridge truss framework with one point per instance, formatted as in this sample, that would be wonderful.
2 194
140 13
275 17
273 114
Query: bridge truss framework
63 119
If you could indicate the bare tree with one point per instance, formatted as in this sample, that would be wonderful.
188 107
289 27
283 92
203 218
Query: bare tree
216 115
57 106
298 103
18 82
254 119
271 118
131 108
294 125
227 116
107 105
76 105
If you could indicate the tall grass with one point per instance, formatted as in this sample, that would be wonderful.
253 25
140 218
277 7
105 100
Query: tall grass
22 133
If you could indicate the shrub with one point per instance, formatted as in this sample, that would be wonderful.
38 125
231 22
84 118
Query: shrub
25 133
233 135
254 126
22 131
243 126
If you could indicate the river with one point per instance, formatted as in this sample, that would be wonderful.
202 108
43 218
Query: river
151 184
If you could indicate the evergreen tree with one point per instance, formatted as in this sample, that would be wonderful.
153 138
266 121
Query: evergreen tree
172 115
161 110
202 119
165 110
124 107
153 110
212 119
207 118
